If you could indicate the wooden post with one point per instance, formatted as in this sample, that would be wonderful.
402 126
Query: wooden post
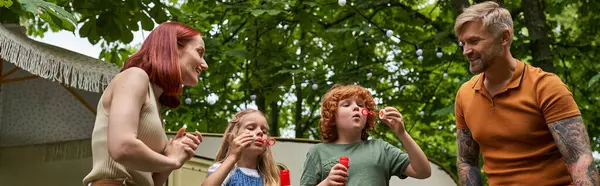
13 80
80 99
13 70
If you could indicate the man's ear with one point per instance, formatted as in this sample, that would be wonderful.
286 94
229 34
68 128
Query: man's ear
506 37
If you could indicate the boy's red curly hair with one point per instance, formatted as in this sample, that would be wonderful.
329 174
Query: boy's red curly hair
329 108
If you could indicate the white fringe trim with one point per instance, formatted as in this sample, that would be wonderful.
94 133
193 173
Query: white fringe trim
55 63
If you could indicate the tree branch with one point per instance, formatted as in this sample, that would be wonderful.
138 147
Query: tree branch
458 6
419 15
329 25
221 23
235 32
311 118
431 95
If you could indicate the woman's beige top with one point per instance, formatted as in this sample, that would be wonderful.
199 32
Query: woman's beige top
150 132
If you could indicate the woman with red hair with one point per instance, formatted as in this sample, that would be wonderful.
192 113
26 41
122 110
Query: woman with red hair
346 118
129 144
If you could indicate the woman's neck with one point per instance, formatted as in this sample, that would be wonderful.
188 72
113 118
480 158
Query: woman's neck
157 90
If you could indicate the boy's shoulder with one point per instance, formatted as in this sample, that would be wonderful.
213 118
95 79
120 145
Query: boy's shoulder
318 147
371 142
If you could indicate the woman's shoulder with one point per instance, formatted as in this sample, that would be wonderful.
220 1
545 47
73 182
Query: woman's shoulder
133 74
134 78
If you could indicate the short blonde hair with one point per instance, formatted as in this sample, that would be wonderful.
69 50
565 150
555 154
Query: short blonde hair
494 18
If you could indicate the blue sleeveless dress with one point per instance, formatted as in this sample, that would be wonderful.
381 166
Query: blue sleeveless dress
240 179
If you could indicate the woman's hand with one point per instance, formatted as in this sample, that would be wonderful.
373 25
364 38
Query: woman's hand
183 146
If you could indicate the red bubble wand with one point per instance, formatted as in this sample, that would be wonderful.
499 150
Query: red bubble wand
269 141
366 112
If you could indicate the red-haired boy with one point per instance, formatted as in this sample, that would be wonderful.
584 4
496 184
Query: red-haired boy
344 131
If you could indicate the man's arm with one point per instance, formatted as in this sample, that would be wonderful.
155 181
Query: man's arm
573 143
469 172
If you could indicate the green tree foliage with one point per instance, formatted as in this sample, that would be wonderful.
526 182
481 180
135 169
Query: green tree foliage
108 22
279 48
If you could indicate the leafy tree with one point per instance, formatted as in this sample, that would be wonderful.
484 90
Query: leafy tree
108 22
279 48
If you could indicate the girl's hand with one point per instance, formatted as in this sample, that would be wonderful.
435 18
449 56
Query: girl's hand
238 144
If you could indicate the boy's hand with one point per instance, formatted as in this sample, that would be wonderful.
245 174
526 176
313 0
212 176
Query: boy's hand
337 176
394 120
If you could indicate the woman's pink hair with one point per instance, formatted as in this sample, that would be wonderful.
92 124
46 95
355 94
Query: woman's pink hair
159 57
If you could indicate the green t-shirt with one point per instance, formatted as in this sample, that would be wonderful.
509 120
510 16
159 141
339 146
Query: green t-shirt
372 162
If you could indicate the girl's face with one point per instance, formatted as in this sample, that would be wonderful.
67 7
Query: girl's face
256 124
349 116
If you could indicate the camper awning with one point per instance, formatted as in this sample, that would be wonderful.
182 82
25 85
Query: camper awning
54 63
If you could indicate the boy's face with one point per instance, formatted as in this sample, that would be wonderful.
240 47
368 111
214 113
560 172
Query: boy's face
348 116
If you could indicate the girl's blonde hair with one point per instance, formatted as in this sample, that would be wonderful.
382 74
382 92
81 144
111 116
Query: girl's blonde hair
267 168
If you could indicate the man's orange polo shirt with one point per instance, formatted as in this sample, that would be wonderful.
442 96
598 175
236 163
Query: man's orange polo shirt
511 128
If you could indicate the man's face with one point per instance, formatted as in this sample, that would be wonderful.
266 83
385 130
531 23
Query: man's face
479 46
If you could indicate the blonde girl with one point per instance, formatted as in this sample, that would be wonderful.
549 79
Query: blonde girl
244 157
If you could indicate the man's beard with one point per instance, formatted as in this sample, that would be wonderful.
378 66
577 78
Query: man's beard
485 60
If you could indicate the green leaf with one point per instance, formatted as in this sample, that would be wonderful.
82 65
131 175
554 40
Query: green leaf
594 80
133 26
273 12
54 15
28 6
257 12
205 15
93 37
310 3
175 12
127 37
294 71
147 23
6 3
337 30
341 30
241 53
158 14
444 111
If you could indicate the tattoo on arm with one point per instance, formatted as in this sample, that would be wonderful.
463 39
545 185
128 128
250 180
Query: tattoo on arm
468 158
573 143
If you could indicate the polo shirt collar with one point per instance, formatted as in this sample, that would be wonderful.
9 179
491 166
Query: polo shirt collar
515 80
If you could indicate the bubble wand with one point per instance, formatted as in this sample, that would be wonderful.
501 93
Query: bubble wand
366 112
269 141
